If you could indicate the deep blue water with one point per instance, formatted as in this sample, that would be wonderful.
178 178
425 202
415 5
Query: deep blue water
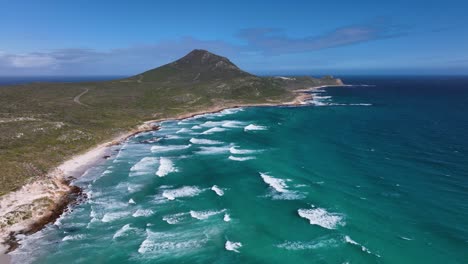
364 174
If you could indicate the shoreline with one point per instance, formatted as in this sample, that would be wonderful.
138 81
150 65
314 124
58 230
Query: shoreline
42 201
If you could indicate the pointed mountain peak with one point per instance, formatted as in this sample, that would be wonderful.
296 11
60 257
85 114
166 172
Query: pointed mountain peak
197 66
202 59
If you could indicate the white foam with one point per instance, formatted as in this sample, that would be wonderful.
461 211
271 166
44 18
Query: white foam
122 231
232 246
151 246
172 137
174 218
110 217
405 238
159 149
166 166
212 123
143 212
213 130
131 201
232 124
235 150
73 237
197 127
186 191
183 130
241 158
299 245
217 190
278 184
145 165
227 218
213 150
201 141
253 127
320 217
202 215
363 248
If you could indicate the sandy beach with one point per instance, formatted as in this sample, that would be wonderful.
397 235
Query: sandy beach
41 201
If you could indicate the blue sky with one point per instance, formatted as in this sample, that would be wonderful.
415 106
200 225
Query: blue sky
264 37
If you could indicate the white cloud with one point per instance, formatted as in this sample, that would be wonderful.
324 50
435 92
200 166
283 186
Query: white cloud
32 61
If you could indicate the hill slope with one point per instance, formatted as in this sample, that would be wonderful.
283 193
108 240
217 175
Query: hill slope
42 124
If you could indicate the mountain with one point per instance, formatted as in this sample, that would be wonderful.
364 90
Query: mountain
197 66
41 124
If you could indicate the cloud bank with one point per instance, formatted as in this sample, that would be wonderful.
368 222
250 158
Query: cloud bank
266 42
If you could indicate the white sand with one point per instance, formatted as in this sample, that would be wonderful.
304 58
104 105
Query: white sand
29 200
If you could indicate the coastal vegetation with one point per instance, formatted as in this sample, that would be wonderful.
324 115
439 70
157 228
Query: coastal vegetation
43 124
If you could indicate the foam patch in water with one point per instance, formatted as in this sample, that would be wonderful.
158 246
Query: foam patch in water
320 217
186 191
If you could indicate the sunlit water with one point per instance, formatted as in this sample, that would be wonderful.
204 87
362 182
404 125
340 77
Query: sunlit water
366 174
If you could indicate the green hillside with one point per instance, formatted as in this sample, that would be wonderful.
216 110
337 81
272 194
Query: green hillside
41 124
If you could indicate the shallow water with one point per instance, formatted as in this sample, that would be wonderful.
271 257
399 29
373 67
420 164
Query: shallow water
366 174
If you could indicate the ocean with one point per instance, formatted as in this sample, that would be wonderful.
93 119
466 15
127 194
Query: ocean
376 172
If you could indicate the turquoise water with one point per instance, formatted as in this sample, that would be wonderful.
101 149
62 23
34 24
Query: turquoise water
366 174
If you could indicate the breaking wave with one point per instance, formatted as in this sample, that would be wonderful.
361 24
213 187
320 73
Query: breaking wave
166 166
159 149
253 127
232 246
320 217
200 141
217 190
241 158
186 191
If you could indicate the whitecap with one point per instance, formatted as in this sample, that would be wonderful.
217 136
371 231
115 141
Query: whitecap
122 231
300 245
278 184
363 248
213 130
131 201
201 141
405 238
110 217
168 148
232 124
143 212
235 150
232 246
253 127
212 123
213 150
320 217
145 165
149 245
183 130
197 127
166 166
227 218
186 191
217 190
241 158
174 218
73 237
202 215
